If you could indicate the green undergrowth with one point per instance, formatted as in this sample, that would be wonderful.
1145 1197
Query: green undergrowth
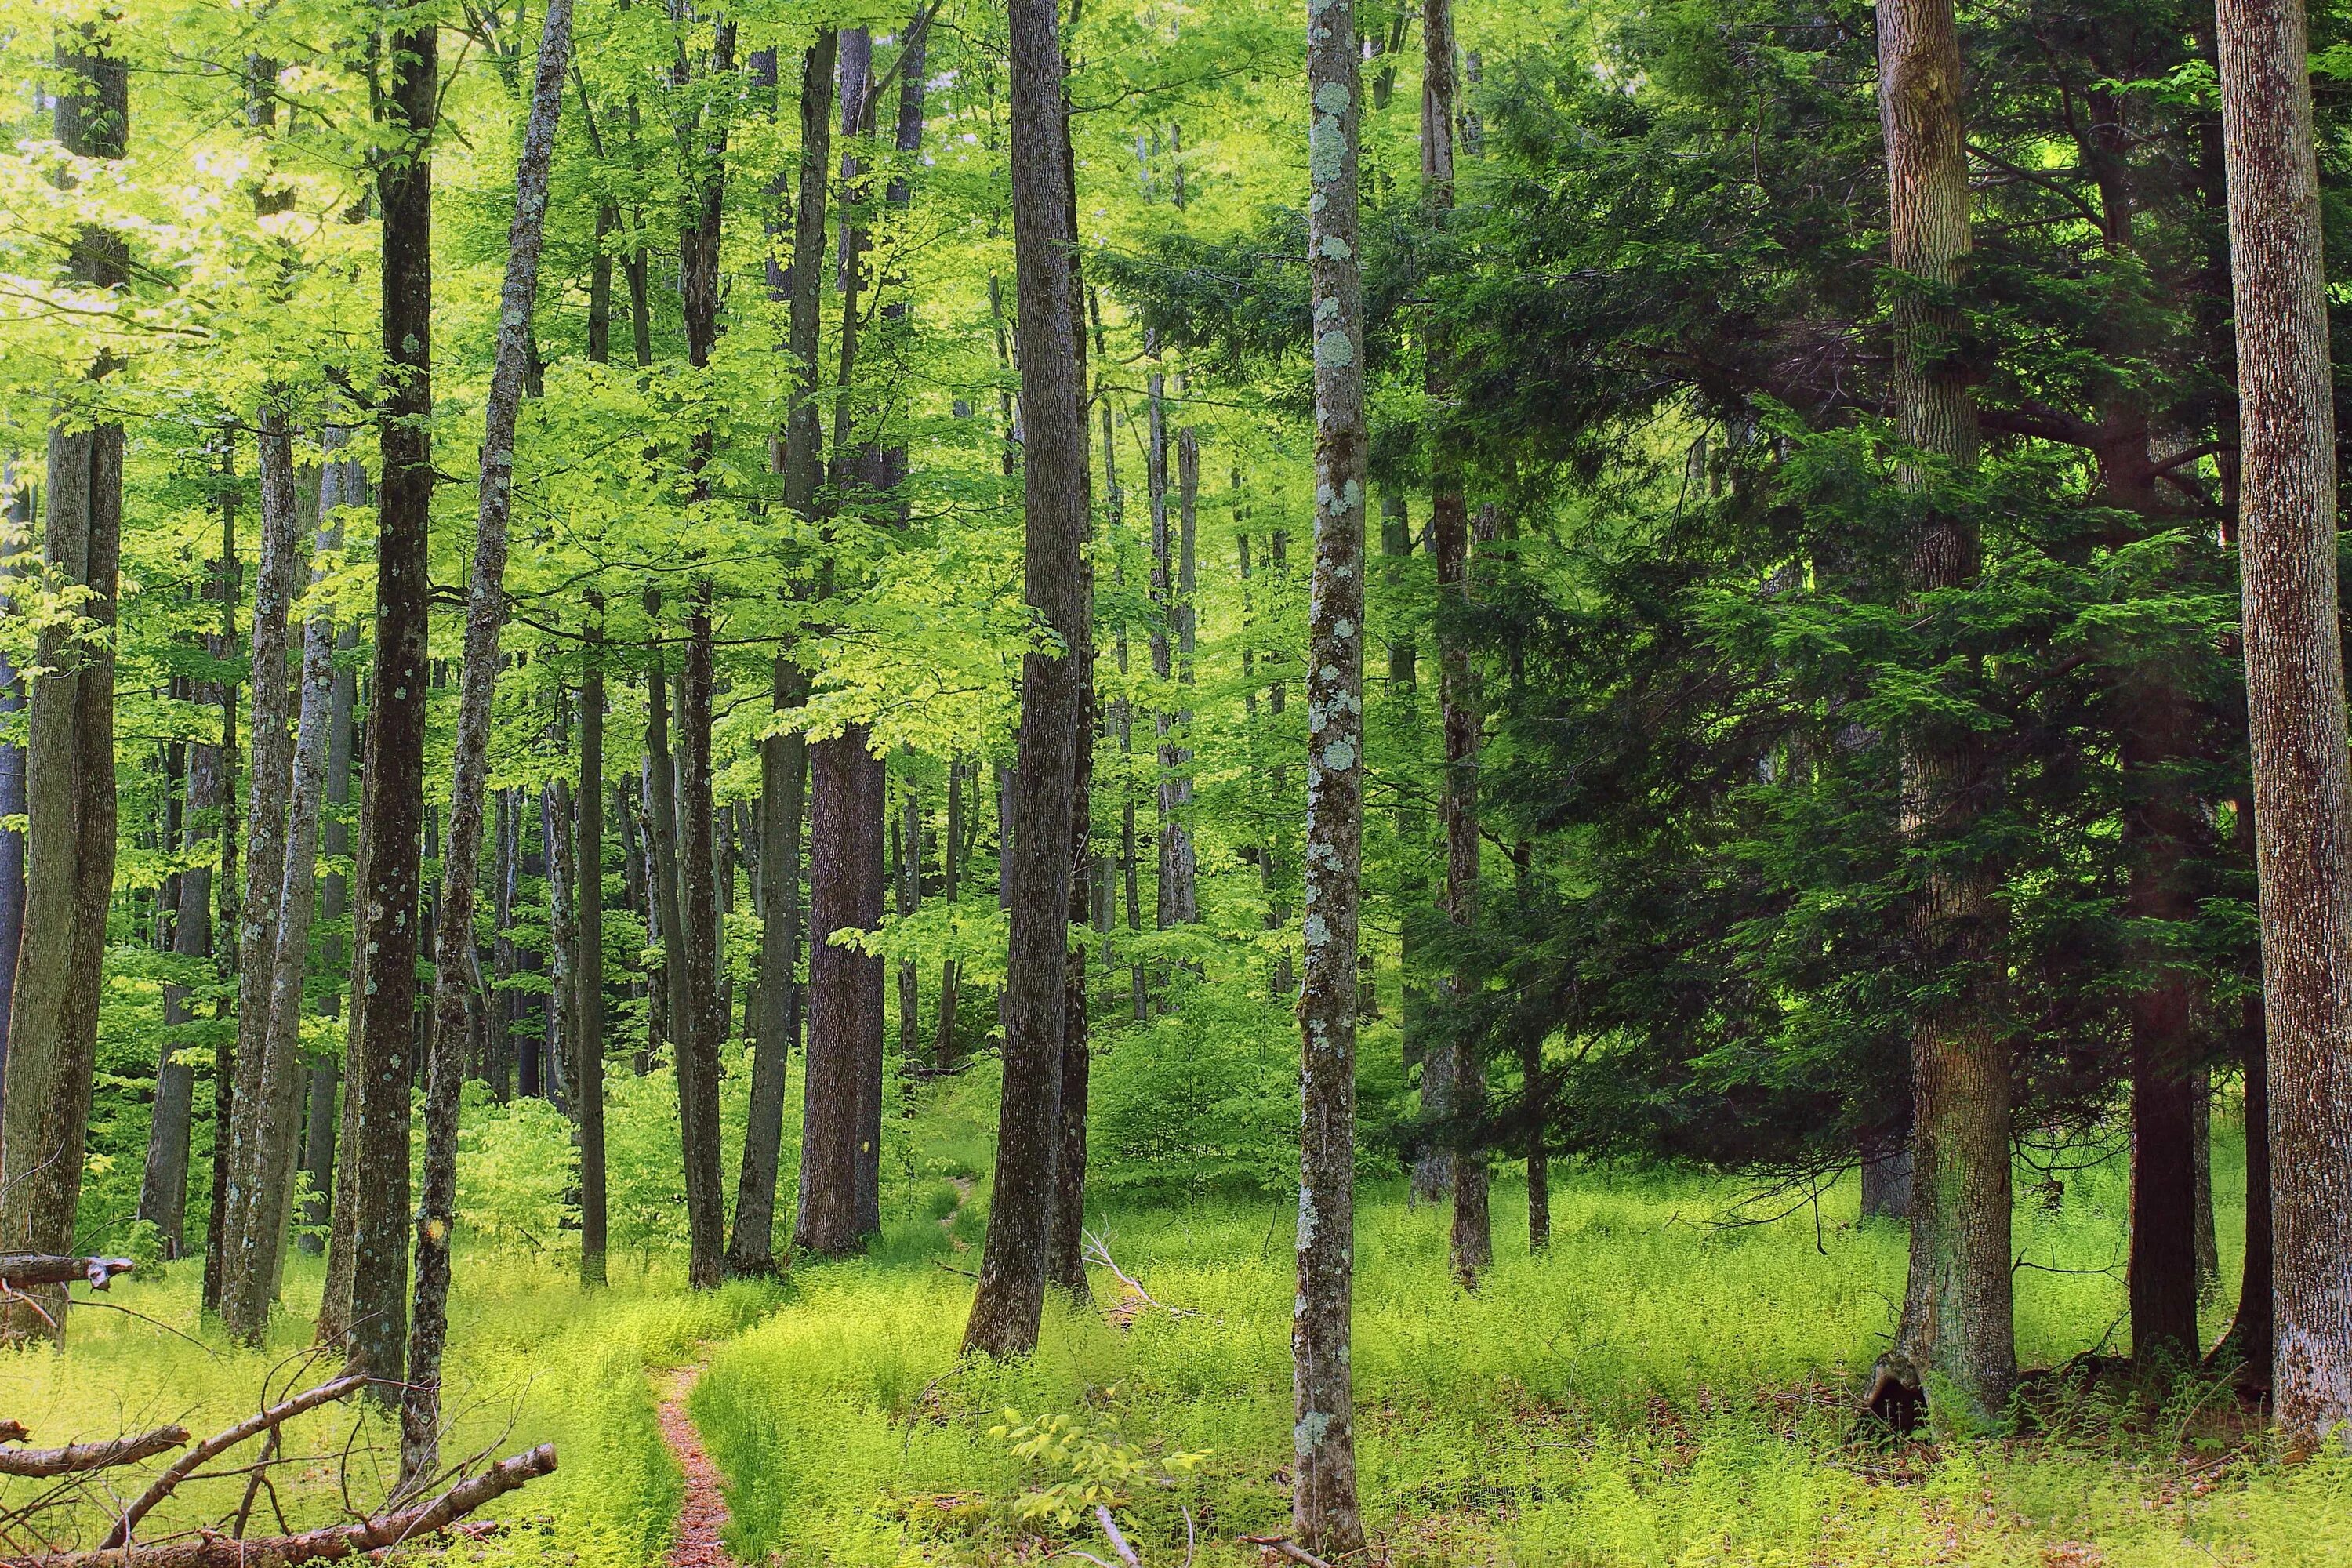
532 1359
1674 1382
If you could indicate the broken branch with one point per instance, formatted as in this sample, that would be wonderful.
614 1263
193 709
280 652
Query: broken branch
75 1457
212 1550
220 1443
48 1269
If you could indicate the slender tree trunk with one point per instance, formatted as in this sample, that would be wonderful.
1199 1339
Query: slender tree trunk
588 977
2207 1244
943 1048
833 1108
321 1137
251 1288
1461 1086
783 774
52 1054
1323 1507
1957 1318
1008 1306
2294 692
379 1062
221 646
454 957
16 540
164 1186
250 1255
909 900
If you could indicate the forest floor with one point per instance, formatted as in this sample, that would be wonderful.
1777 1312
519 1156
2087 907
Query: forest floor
1667 1385
702 1514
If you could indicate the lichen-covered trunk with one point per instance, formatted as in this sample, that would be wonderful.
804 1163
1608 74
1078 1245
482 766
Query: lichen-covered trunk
1957 1318
1009 1304
15 539
454 958
1323 1495
2295 698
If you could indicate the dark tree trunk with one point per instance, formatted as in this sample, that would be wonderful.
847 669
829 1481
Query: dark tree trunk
455 971
324 1132
1323 1506
379 1065
943 1048
164 1185
1956 1317
833 1120
1009 1303
52 1054
783 774
588 976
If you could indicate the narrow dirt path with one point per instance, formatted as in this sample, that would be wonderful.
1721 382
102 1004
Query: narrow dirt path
704 1513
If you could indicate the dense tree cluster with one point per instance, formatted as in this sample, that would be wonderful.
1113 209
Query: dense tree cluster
848 544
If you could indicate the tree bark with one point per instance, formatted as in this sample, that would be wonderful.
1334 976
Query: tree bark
323 1134
1956 1317
588 975
1323 1506
783 774
379 1062
16 540
51 1060
1008 1306
454 958
2294 694
248 1256
943 1048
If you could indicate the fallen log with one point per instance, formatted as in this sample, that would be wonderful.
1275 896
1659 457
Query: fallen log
213 1550
48 1269
77 1457
220 1443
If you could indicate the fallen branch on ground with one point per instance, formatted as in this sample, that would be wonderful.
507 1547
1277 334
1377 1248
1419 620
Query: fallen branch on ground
1098 1251
1287 1547
78 1457
212 1550
212 1448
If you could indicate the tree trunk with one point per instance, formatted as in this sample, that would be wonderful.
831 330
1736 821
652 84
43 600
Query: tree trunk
909 857
833 1116
1956 1315
454 957
69 780
1323 1506
1008 1306
783 774
15 540
2295 697
248 1255
588 976
2200 1145
1886 1177
378 1064
220 646
320 1136
164 1185
943 1049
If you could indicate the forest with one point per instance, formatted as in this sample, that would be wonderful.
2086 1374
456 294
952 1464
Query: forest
1168 781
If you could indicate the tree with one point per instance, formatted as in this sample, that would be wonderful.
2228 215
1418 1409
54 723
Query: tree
1323 1497
1957 1316
453 959
2294 699
69 790
1010 1303
367 1272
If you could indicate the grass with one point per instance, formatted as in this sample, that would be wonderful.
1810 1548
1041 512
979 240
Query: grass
1661 1388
